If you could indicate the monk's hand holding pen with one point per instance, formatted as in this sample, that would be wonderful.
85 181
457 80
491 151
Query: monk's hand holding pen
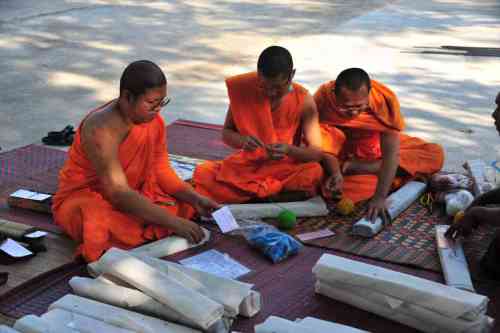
277 151
463 228
250 143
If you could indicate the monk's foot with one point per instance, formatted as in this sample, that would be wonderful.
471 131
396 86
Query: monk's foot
357 167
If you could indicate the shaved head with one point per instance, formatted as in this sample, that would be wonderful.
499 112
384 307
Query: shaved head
275 61
352 79
140 76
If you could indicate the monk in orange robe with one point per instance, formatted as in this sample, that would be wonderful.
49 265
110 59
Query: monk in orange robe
117 188
266 112
364 146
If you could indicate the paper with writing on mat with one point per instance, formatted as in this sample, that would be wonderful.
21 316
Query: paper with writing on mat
216 263
225 219
452 257
315 234
14 249
26 194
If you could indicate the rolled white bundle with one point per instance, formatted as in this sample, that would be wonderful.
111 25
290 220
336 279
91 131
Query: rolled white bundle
169 245
202 311
398 202
447 301
230 293
34 324
117 316
251 304
313 207
406 313
452 257
7 329
80 323
307 325
319 326
123 297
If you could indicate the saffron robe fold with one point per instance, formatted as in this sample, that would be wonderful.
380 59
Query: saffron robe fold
246 175
359 138
87 217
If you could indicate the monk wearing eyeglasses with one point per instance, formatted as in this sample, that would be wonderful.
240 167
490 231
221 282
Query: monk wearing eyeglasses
366 153
267 110
117 188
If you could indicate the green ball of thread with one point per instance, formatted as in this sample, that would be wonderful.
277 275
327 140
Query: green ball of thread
287 219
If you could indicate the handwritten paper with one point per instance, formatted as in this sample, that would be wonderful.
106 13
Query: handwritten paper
36 234
14 249
217 263
225 219
315 235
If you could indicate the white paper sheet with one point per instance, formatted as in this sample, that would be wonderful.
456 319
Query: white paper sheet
36 234
216 263
225 219
14 249
26 194
183 169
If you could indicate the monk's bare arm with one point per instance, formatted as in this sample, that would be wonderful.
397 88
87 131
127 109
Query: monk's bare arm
488 198
233 138
312 134
389 144
101 145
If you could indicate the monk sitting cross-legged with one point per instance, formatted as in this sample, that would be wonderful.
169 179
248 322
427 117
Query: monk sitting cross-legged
117 188
266 111
361 125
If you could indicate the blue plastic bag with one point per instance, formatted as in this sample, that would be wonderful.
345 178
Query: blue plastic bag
274 244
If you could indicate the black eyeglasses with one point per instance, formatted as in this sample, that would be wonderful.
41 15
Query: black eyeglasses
164 102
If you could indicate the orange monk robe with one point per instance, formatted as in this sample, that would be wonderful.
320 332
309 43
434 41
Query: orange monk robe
360 138
86 216
246 175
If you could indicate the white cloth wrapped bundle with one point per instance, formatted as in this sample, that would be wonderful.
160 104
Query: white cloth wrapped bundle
116 316
250 305
403 312
313 207
401 297
199 309
452 257
236 297
398 202
307 325
7 329
62 321
169 245
450 302
123 297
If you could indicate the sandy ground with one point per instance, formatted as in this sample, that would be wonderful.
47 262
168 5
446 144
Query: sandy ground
59 59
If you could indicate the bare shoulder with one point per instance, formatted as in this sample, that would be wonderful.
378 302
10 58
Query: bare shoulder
103 129
309 108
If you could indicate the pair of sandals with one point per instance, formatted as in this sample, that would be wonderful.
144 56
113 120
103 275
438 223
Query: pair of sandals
60 138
